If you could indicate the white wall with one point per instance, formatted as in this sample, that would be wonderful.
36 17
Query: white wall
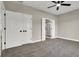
14 23
68 25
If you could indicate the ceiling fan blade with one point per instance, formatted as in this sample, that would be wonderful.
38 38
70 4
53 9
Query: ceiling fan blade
66 4
57 8
51 6
58 2
62 1
54 2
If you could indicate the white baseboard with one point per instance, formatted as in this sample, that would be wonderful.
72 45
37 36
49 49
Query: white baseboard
24 44
76 40
37 41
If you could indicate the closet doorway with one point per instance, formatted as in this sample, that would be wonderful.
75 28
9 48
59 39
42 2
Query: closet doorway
48 28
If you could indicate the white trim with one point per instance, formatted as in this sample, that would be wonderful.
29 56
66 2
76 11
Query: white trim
76 40
37 41
26 43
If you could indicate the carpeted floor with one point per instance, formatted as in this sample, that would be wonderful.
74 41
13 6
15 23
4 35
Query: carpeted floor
48 48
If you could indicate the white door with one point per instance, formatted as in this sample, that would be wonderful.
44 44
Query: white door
18 29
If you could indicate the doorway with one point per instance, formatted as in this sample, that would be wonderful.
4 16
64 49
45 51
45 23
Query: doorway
48 28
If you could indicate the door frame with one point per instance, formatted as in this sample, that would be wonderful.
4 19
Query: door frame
3 25
43 25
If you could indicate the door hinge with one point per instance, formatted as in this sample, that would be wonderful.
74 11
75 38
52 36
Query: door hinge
4 42
5 28
4 14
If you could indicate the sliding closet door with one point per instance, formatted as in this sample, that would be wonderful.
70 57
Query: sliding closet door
18 29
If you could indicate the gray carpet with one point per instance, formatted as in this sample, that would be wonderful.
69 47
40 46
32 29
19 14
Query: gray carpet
48 48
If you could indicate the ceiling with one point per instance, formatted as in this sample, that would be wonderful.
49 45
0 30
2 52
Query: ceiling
42 5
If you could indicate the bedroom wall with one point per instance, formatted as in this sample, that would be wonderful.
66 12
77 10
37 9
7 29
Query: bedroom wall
37 15
69 25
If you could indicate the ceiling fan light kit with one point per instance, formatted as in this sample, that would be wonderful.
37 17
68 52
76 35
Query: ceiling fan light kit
58 4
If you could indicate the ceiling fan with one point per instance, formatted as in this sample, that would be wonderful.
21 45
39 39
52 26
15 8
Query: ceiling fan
58 4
